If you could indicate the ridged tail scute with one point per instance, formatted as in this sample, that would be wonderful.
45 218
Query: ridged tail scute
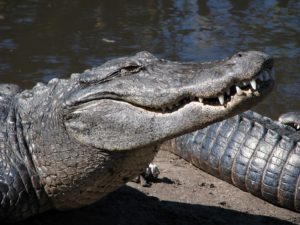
252 152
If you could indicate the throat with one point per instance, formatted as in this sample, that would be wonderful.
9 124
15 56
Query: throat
116 170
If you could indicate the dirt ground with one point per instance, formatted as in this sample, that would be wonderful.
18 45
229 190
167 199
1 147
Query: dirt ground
183 195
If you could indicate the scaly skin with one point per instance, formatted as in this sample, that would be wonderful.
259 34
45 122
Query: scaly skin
291 119
68 143
255 153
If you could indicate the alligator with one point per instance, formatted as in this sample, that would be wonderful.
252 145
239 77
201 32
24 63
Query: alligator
68 143
252 152
291 118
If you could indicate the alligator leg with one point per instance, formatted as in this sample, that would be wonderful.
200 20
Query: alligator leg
250 151
149 175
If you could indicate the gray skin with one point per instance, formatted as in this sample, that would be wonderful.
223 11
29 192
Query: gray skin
250 151
68 143
291 119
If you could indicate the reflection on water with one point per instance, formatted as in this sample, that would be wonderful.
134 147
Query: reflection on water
40 40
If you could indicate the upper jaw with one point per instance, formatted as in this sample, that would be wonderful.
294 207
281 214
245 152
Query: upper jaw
253 77
258 86
219 92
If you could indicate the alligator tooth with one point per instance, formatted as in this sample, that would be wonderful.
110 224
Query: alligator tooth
298 127
221 99
200 100
253 84
238 90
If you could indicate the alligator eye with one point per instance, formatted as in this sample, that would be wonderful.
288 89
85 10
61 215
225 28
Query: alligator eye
131 68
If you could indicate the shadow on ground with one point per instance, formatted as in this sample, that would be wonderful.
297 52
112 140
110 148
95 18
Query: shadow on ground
130 206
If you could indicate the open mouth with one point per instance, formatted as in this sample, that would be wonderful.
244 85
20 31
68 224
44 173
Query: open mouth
260 82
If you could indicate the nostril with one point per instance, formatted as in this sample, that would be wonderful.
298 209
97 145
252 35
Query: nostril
239 55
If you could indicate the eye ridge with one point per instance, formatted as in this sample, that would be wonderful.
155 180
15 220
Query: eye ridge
124 71
132 69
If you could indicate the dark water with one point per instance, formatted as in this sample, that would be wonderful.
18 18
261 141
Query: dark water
40 40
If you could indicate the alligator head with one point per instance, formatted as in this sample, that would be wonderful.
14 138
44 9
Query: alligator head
88 135
132 102
291 119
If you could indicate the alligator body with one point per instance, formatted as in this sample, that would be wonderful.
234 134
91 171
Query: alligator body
253 152
68 143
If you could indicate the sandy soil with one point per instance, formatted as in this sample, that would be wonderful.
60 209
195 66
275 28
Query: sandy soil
183 195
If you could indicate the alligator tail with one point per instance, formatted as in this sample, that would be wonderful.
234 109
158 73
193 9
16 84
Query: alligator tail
250 151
